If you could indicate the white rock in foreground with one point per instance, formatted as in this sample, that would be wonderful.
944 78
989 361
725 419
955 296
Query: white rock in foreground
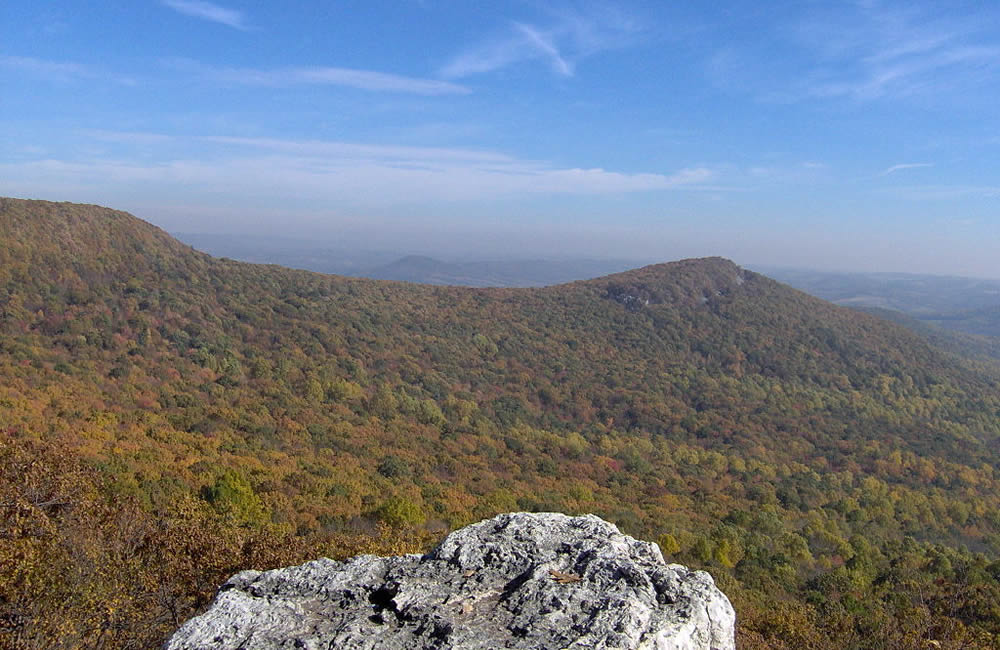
515 581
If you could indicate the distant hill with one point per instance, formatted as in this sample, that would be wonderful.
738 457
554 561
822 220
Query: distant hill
830 468
968 306
984 321
913 294
387 265
290 252
522 273
958 340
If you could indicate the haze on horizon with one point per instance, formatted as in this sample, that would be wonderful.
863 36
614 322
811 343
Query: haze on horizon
851 136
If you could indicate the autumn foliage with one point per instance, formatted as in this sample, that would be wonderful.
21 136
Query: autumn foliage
170 419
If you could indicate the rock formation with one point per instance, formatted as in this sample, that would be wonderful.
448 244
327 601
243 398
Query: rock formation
515 581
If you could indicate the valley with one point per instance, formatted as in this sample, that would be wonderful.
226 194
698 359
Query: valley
835 471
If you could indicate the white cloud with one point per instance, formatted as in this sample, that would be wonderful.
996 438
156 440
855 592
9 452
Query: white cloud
945 192
355 151
902 166
50 69
571 37
320 76
59 71
545 45
209 11
129 137
907 75
363 175
863 52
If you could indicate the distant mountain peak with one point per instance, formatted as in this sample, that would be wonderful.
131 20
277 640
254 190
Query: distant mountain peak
690 282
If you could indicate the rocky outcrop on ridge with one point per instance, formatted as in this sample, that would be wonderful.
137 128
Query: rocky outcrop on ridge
515 581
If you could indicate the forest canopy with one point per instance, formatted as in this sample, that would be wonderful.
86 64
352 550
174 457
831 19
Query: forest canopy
836 472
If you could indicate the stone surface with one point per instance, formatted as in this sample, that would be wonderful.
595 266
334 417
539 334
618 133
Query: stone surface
515 581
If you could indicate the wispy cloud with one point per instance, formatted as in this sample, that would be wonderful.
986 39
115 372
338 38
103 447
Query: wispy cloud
545 45
127 137
905 74
60 71
447 173
902 166
209 11
907 51
319 75
567 38
351 150
945 192
341 173
772 173
862 52
55 70
524 43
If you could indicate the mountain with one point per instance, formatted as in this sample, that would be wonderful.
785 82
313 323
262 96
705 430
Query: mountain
520 273
385 265
835 471
322 257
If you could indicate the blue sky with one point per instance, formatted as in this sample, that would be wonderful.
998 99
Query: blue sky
858 136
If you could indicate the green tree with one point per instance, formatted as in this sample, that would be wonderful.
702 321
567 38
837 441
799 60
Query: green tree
234 497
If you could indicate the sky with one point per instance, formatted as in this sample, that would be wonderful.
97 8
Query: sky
831 135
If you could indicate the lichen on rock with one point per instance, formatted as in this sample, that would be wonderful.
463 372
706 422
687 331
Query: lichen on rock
519 580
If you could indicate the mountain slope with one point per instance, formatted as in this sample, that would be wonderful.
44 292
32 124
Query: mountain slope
749 427
696 351
982 349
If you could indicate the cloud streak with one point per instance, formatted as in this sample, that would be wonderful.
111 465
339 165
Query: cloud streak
569 38
337 173
59 71
946 192
545 46
369 80
862 52
209 11
350 150
907 74
903 166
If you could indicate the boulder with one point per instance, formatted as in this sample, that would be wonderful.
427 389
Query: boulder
515 581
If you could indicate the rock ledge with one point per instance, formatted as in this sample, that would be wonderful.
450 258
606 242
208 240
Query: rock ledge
515 581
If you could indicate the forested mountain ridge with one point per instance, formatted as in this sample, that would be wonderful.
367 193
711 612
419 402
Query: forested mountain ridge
818 460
